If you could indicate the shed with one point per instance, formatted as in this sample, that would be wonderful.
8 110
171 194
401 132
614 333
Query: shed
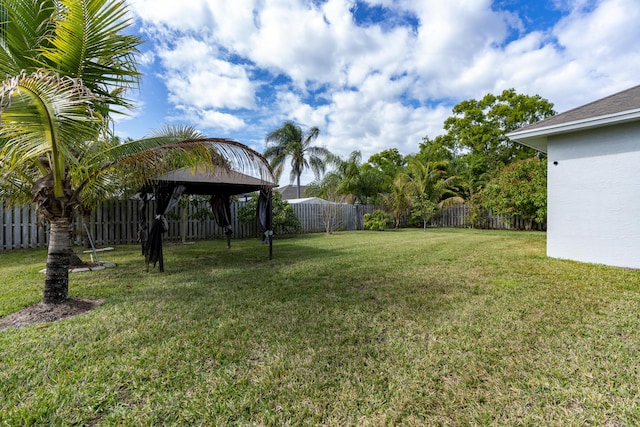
310 201
593 197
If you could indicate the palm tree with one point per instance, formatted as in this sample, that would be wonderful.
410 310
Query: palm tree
58 162
290 141
427 187
69 66
397 202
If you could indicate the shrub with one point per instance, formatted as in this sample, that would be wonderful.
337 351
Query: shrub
378 220
284 219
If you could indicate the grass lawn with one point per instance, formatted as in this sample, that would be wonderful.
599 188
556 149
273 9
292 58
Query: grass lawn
447 327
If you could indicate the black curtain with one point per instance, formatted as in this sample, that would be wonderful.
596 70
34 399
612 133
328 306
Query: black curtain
143 226
221 208
264 218
167 197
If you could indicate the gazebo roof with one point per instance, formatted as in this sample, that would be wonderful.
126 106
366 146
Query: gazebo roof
217 181
240 169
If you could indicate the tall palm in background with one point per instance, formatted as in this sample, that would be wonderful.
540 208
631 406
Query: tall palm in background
290 141
70 65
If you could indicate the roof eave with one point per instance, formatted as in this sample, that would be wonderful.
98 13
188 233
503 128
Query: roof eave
537 138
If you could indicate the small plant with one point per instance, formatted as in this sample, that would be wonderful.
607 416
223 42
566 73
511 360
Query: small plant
378 220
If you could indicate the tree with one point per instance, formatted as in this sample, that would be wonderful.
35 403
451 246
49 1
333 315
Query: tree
69 65
477 130
397 202
350 181
388 162
520 189
325 188
428 188
290 141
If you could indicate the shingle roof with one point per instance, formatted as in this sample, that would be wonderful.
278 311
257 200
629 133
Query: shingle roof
617 103
290 191
618 108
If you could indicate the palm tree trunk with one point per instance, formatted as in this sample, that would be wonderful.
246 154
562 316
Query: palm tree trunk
298 185
56 282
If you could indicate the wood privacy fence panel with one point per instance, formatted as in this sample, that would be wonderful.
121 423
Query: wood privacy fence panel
459 216
116 222
19 228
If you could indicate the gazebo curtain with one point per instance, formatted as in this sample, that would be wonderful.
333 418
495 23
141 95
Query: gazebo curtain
143 226
221 208
167 198
264 217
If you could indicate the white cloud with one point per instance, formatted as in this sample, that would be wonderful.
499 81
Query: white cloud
605 42
371 88
209 119
186 15
194 75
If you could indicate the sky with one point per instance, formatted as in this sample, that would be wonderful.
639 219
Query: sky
371 75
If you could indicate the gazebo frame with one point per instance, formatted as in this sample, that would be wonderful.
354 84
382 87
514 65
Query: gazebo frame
239 170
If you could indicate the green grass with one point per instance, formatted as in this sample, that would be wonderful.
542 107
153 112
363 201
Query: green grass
448 327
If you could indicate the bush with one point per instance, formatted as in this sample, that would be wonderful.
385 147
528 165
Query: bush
284 218
378 220
520 189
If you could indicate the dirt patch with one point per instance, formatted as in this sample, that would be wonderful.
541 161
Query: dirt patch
45 313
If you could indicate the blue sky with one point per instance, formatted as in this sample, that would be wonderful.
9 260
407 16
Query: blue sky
372 74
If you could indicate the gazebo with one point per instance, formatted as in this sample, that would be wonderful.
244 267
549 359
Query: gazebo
238 170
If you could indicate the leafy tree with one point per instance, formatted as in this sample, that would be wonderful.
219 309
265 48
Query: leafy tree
358 183
520 189
423 209
290 141
284 219
349 173
388 162
436 150
69 64
477 130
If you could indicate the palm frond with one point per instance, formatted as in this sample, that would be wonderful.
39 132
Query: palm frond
45 115
28 24
89 42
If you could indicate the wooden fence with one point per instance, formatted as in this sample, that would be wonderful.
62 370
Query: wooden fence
460 216
116 222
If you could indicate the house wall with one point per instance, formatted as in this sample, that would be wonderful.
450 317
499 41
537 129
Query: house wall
594 196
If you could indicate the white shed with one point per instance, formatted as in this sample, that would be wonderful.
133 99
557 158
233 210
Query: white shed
593 181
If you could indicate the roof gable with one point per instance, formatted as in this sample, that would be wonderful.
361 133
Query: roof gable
617 108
